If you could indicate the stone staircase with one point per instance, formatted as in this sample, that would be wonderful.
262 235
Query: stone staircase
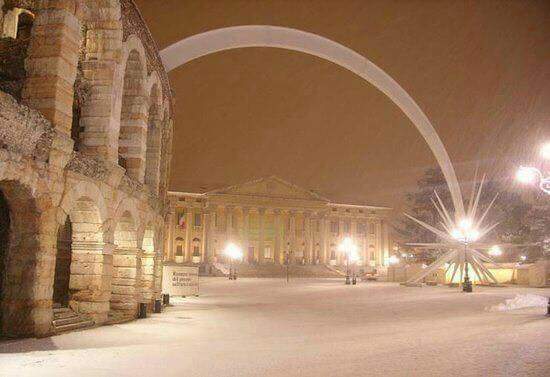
278 271
64 319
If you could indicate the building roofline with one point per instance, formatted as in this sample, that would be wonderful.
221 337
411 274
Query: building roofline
180 193
358 206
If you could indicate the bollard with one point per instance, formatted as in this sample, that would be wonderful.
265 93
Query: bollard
166 299
142 310
158 306
548 308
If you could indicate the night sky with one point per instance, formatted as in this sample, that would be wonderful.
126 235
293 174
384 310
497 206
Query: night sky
479 70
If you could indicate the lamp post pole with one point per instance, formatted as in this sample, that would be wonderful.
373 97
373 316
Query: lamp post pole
467 285
348 282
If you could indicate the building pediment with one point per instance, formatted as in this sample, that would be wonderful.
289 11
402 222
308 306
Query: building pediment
271 187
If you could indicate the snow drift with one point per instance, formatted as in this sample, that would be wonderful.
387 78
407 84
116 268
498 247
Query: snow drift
519 302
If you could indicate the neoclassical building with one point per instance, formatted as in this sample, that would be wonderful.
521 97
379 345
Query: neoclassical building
85 140
270 218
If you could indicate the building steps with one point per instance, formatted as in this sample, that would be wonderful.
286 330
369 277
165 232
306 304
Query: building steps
65 319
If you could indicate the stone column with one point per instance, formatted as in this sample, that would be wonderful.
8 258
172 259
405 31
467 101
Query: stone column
204 244
51 63
379 251
277 246
292 231
125 290
169 252
147 277
324 240
307 238
246 222
261 246
188 227
385 239
90 282
98 119
229 223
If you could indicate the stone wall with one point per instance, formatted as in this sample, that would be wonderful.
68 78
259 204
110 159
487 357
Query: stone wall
115 213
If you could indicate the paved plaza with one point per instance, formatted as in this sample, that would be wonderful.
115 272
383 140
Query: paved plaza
266 327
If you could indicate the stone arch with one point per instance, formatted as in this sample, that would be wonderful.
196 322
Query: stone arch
133 113
19 246
297 40
83 190
82 264
16 32
125 289
154 133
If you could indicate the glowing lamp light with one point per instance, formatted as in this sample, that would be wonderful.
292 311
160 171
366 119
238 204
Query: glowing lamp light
233 251
465 233
523 257
394 259
354 256
347 245
527 175
465 224
495 251
545 151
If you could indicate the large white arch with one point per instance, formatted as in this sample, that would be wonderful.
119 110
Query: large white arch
292 39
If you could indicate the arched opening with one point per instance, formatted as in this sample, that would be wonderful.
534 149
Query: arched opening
125 290
133 122
16 36
63 265
19 246
152 156
81 90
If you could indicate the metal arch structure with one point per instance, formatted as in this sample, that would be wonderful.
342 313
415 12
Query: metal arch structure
236 37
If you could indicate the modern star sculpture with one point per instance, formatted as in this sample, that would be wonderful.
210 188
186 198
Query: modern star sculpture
461 238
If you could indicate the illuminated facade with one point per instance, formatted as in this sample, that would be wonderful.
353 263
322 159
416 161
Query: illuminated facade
269 219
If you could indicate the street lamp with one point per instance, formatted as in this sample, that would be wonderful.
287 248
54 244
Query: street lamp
234 253
532 175
465 233
349 248
495 251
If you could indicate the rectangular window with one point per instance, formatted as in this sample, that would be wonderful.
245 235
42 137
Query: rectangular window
198 219
180 219
196 250
179 251
267 253
360 228
371 228
334 227
347 227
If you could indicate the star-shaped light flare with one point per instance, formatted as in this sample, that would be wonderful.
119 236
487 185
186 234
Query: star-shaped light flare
460 237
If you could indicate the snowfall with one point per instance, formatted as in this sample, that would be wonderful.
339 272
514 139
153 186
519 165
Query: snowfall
267 327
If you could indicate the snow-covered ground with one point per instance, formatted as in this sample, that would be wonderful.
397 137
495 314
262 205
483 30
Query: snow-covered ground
265 327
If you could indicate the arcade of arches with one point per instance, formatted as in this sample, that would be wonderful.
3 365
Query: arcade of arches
85 135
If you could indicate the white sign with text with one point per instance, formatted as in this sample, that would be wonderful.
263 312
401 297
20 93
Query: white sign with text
180 280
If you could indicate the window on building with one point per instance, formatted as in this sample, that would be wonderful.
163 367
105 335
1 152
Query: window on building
179 251
268 254
334 227
180 219
360 228
196 250
347 227
198 219
371 228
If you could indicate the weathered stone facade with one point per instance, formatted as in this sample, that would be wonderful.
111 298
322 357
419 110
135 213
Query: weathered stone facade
84 163
271 219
